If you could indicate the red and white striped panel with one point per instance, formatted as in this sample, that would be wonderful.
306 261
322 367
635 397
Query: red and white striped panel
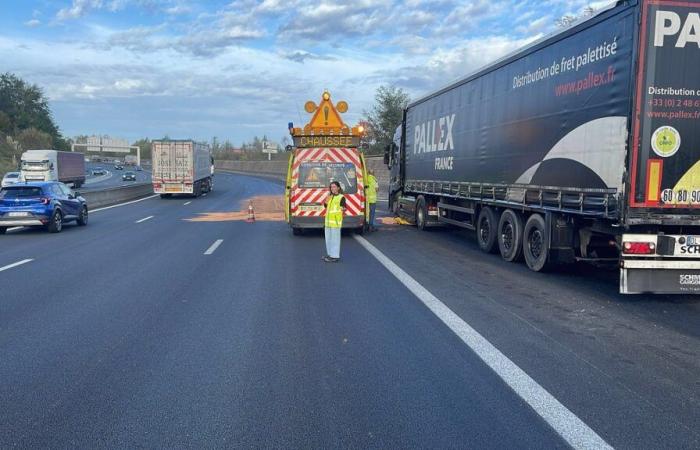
354 203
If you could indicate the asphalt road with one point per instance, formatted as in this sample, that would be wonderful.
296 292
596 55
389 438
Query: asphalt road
113 177
126 334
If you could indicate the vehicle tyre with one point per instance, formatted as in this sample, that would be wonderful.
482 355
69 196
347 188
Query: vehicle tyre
165 195
395 204
487 230
535 244
56 223
3 230
510 235
360 230
83 217
296 231
421 213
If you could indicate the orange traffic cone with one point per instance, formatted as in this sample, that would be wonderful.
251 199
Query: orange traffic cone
251 213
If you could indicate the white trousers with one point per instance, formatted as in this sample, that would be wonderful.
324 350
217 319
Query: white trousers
333 242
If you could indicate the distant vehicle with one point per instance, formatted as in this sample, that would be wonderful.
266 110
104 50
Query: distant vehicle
181 167
139 169
99 171
118 167
130 160
10 178
129 176
45 204
53 165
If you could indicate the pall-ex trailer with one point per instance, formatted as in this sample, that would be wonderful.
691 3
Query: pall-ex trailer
585 145
181 167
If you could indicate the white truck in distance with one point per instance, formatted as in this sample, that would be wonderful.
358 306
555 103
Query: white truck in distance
53 165
182 167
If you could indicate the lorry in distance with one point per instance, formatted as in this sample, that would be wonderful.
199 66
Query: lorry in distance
53 165
583 146
182 167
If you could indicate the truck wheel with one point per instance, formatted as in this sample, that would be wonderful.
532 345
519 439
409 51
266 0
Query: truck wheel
487 230
535 244
83 217
56 223
296 231
395 204
165 195
197 191
421 213
510 235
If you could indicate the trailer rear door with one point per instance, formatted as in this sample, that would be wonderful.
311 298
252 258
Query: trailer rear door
665 157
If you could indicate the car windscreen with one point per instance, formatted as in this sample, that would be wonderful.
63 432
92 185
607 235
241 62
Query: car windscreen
20 192
12 175
320 175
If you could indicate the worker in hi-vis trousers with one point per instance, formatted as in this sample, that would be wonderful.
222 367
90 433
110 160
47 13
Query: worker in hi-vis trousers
335 209
371 193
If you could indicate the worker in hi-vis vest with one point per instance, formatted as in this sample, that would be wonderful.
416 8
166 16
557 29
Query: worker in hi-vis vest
371 193
335 209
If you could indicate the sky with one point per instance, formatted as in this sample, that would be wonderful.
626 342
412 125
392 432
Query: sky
237 69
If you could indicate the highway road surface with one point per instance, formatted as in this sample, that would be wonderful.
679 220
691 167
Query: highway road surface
113 178
147 329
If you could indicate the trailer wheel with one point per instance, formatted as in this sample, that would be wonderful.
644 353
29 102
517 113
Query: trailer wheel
535 244
486 230
510 235
421 213
165 195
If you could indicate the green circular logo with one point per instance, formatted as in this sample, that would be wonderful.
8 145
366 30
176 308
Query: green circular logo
665 141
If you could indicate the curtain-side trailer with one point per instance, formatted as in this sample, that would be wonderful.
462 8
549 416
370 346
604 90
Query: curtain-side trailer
584 145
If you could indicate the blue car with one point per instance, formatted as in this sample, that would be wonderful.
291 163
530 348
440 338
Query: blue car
46 204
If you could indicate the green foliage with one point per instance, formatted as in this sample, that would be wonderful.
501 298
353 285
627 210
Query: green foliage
145 146
25 121
386 114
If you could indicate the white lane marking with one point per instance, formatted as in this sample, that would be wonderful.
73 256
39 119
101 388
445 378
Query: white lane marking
123 204
565 423
144 219
204 195
186 203
18 263
213 247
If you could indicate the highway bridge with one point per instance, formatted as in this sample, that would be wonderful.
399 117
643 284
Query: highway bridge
173 323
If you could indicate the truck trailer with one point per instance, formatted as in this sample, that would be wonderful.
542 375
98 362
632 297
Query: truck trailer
182 167
583 146
53 165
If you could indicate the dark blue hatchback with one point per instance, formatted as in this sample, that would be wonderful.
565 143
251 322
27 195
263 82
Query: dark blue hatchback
47 204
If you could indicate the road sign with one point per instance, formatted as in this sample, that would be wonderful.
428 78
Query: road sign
270 147
100 144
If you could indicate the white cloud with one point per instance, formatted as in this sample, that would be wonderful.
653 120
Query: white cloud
32 23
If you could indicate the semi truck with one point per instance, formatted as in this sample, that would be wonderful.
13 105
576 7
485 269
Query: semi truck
325 150
53 165
182 167
583 146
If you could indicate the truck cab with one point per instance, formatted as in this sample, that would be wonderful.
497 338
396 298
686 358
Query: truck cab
39 165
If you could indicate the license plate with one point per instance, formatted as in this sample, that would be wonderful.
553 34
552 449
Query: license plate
18 214
689 248
314 208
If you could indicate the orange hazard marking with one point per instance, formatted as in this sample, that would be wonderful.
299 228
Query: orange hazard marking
268 208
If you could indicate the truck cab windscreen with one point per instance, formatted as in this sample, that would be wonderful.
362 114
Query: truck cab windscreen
35 165
313 175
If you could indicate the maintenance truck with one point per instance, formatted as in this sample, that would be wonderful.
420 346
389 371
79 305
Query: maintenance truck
182 167
583 146
53 165
325 150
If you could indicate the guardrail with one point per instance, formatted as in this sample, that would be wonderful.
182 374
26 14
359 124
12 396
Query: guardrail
111 196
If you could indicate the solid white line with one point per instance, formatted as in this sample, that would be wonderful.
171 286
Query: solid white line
144 219
565 423
213 247
186 203
18 263
123 204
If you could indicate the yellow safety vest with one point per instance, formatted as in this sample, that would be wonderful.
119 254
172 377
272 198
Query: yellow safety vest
334 212
371 189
